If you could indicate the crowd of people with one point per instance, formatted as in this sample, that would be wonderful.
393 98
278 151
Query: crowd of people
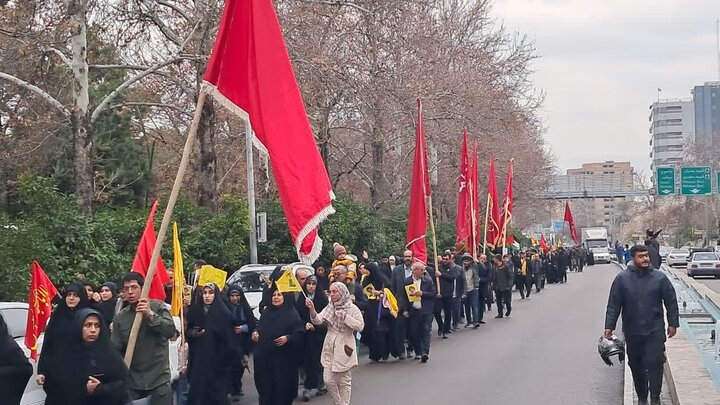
303 344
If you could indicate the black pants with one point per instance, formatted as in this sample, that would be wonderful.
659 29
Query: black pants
503 297
401 336
481 301
448 304
520 284
646 356
419 327
563 275
237 370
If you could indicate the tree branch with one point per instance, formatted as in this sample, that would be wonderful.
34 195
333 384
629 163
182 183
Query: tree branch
148 104
38 91
110 97
339 3
175 9
62 56
167 32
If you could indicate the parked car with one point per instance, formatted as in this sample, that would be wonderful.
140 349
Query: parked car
15 315
664 252
251 278
678 257
704 264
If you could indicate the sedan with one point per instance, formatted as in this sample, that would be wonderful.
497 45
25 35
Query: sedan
678 257
704 264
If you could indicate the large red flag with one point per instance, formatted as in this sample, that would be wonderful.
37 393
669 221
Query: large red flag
506 214
141 263
250 73
474 203
493 227
419 191
42 291
463 220
571 222
543 244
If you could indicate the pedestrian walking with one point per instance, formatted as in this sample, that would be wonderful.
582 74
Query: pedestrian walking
377 318
448 273
420 312
338 358
276 356
640 293
313 339
15 368
400 327
244 324
503 286
149 374
472 282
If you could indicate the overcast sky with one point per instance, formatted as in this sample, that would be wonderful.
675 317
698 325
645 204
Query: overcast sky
602 63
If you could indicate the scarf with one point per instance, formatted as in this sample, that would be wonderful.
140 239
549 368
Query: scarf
338 309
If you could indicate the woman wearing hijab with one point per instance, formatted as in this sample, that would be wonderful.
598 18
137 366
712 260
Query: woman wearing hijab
108 301
244 324
342 319
378 320
15 369
278 335
209 336
314 337
94 372
59 333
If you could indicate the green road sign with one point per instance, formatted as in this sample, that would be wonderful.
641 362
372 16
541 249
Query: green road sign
665 179
696 180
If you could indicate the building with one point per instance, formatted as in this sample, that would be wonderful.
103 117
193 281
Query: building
706 100
604 190
672 127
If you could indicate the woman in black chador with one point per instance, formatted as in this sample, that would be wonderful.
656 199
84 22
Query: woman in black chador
278 338
378 320
314 338
209 336
244 323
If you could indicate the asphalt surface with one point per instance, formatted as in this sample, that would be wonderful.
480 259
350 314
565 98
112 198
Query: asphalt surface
544 353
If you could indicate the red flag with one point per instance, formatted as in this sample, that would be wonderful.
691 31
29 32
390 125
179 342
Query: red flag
42 291
510 240
571 222
250 73
506 215
463 220
474 204
493 227
543 244
419 191
141 263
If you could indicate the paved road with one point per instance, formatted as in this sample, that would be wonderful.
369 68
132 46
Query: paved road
545 353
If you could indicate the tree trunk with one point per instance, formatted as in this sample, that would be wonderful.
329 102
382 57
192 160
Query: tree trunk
82 131
207 169
377 189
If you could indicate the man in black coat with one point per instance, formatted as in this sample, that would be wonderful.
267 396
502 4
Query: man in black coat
639 293
503 286
419 312
15 369
397 285
484 279
563 264
449 273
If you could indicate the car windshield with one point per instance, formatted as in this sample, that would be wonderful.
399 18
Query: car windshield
679 252
704 256
15 318
251 281
596 244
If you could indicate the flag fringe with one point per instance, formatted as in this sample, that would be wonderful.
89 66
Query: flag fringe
407 245
230 106
314 223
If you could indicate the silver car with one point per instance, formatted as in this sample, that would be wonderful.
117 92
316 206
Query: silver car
15 315
704 264
678 257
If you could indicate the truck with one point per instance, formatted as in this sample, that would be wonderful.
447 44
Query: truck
596 241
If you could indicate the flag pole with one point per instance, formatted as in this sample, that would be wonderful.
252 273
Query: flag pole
434 240
487 218
189 144
473 221
251 191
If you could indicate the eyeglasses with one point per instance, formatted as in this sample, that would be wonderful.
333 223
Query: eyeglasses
131 288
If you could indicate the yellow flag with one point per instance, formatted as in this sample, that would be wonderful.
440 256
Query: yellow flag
287 282
390 302
210 274
178 275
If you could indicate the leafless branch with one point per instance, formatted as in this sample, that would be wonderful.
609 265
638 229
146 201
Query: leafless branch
38 91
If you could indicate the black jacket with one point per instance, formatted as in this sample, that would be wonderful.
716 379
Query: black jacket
451 278
427 303
504 278
640 296
484 276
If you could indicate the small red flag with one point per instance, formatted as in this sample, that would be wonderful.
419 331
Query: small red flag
571 222
507 202
493 227
511 239
42 291
543 244
419 191
141 263
250 74
463 220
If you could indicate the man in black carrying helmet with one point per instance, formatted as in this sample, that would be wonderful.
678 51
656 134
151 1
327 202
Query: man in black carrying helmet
640 292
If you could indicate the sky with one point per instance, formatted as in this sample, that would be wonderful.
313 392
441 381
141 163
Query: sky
601 64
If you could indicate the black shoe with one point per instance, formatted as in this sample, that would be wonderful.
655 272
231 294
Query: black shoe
507 313
642 401
424 358
655 400
499 316
481 322
477 325
440 333
444 336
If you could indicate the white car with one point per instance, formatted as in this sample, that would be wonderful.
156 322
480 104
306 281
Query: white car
250 278
678 257
704 264
15 315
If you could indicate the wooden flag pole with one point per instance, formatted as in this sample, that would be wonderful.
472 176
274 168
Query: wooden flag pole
473 221
434 240
189 144
487 218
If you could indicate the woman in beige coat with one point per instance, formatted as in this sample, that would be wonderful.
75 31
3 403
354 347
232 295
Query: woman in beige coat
339 355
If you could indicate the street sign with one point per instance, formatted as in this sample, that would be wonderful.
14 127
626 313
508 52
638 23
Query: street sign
665 178
261 226
695 180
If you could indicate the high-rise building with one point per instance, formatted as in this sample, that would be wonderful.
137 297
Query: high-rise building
672 127
706 100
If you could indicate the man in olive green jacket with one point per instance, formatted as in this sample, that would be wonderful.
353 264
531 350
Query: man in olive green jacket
149 375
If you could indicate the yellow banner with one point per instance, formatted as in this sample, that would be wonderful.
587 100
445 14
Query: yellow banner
178 275
210 274
287 282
